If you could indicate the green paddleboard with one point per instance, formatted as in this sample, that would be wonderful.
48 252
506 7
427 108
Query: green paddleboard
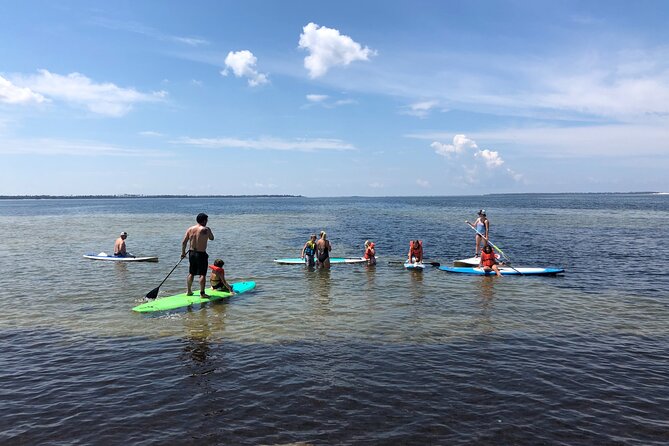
181 300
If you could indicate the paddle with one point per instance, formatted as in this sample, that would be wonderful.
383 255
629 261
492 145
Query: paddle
493 245
154 292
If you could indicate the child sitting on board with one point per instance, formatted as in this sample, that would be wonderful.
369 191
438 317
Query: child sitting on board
488 261
217 278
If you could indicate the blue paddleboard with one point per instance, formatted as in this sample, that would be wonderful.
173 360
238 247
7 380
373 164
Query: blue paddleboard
505 270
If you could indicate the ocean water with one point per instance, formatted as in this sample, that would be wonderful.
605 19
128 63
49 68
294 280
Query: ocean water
353 355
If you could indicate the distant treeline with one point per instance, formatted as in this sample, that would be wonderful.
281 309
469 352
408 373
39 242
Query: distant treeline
51 197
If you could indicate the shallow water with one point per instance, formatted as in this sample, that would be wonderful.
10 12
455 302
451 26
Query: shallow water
354 355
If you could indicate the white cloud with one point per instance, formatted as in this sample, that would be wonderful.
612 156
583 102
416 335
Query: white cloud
150 133
11 94
491 158
105 98
328 48
243 64
423 183
138 28
302 145
376 185
317 97
62 147
460 143
421 109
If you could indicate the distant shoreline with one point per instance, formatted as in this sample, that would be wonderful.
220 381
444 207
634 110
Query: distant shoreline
123 196
79 197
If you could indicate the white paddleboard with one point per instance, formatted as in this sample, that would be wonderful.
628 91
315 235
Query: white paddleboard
105 256
472 261
414 265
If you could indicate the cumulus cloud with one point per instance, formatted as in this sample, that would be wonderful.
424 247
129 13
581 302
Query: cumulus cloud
301 145
11 94
473 158
328 48
491 158
75 88
460 143
243 64
423 183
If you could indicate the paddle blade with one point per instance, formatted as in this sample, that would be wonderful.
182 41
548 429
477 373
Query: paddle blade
153 293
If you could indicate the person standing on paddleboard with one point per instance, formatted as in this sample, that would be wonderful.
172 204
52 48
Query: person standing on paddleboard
119 246
482 226
323 248
197 236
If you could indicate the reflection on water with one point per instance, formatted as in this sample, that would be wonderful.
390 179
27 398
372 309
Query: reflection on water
483 321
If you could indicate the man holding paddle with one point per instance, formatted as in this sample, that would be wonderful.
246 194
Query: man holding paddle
197 236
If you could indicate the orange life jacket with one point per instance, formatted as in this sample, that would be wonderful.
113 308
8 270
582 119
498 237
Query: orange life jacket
216 268
488 259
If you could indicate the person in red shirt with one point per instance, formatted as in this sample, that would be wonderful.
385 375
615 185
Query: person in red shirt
488 261
415 251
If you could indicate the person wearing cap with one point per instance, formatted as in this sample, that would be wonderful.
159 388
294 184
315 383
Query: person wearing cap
482 226
119 246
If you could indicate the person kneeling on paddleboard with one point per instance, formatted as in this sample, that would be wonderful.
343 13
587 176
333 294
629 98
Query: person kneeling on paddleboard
370 253
488 261
309 250
415 251
217 278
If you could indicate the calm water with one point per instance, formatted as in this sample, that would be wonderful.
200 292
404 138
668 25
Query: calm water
354 355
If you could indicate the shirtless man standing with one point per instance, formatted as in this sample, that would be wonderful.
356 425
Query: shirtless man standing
197 235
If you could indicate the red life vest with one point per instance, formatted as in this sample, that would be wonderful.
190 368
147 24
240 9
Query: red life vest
416 251
488 259
217 269
369 253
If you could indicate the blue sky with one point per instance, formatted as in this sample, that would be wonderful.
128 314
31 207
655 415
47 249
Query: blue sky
372 98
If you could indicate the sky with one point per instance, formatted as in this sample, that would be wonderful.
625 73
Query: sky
345 98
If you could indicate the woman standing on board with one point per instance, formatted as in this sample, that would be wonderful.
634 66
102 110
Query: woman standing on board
323 248
482 226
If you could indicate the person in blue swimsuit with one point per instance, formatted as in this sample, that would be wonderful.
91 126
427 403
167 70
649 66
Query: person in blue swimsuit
482 226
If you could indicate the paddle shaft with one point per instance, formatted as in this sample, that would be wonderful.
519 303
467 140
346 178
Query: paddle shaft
154 292
493 245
